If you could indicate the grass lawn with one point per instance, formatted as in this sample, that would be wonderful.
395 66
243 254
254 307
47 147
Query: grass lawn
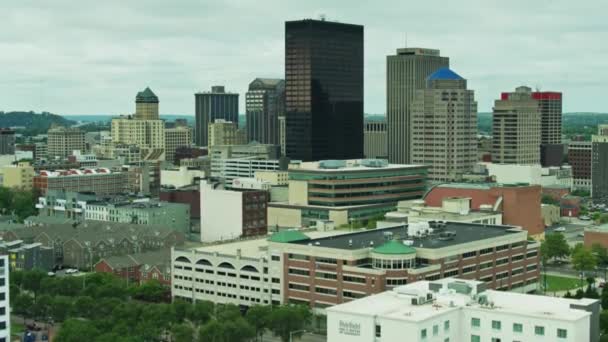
557 283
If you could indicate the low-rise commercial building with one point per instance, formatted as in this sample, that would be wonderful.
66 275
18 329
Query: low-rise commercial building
174 215
345 191
462 310
99 181
321 269
275 178
230 214
180 176
230 169
189 195
518 203
454 209
20 176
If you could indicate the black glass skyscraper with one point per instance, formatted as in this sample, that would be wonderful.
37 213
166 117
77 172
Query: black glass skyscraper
323 90
209 106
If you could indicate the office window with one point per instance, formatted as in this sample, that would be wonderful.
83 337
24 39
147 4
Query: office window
475 338
496 325
446 326
378 330
423 333
475 322
518 327
562 333
540 331
435 330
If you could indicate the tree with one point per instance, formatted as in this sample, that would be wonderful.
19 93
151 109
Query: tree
181 309
150 291
201 312
583 259
555 246
42 307
24 204
286 319
77 330
213 331
238 330
60 307
604 300
604 321
548 199
23 304
182 333
600 252
258 317
32 280
83 307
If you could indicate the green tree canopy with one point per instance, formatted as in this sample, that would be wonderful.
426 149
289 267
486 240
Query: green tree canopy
583 259
554 247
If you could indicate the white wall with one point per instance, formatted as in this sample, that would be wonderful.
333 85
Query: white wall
507 173
6 333
180 177
221 214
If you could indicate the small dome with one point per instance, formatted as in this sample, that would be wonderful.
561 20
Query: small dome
394 247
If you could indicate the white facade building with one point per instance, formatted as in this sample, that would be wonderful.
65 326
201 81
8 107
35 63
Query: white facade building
453 310
230 169
531 174
5 321
180 177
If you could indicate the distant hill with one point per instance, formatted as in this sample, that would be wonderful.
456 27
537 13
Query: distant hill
34 123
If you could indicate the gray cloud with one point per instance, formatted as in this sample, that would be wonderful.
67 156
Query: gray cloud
92 57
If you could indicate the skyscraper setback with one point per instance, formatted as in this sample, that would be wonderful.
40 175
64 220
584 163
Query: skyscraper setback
265 102
444 126
209 106
406 71
324 90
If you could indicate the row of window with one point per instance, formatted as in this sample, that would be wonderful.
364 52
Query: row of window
517 328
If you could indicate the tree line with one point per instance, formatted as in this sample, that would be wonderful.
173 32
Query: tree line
101 307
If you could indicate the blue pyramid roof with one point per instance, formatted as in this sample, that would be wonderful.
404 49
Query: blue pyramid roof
444 74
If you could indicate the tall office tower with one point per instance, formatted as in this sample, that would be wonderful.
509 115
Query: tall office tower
146 105
599 164
63 141
551 148
516 128
265 102
375 139
7 141
324 90
443 122
180 136
209 106
144 129
406 71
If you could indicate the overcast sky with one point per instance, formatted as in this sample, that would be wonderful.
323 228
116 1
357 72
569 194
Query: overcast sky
92 57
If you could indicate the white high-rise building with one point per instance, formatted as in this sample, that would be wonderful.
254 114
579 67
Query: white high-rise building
454 310
5 315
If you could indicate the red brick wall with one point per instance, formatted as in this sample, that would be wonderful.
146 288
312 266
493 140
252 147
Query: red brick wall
556 194
190 197
592 237
520 206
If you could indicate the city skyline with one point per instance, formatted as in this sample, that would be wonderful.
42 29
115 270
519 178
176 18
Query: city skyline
61 52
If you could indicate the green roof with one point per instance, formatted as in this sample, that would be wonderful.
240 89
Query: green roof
394 247
146 96
286 236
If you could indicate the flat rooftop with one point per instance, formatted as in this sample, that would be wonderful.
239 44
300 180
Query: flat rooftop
349 165
459 233
397 304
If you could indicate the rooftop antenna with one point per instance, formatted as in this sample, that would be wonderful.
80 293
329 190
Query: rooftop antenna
405 39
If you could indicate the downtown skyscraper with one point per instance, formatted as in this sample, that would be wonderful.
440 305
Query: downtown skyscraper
444 127
406 71
265 102
323 90
209 106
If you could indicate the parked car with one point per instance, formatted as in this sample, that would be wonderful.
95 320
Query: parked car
560 229
581 234
71 271
51 274
585 218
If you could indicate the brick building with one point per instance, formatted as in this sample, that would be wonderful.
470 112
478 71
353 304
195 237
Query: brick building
579 157
100 181
519 204
292 267
190 195
139 268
